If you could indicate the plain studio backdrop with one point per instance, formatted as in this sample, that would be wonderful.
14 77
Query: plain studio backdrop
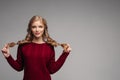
91 27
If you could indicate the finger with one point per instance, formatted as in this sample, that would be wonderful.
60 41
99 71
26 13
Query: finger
7 45
69 49
3 51
68 46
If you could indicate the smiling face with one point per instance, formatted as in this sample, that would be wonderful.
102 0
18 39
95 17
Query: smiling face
37 29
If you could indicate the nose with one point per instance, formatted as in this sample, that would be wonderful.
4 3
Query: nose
37 29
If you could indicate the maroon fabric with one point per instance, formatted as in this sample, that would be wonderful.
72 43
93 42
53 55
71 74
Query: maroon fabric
37 60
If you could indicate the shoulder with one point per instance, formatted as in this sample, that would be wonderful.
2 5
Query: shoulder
49 45
23 45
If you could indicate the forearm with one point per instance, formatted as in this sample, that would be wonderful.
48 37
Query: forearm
55 66
14 63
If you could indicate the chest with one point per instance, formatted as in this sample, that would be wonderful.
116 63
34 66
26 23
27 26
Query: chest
36 54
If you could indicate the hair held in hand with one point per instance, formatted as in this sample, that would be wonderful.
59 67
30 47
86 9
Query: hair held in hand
29 37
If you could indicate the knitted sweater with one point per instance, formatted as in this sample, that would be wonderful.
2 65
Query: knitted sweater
37 61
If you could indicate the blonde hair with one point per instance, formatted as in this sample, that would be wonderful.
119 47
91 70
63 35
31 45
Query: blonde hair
46 36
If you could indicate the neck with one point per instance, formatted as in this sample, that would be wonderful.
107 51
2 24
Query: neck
38 40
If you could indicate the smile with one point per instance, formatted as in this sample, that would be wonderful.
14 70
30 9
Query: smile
37 33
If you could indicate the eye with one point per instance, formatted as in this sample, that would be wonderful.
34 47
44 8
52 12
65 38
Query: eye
33 26
40 26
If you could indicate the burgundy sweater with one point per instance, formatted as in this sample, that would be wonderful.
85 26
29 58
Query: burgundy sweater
37 60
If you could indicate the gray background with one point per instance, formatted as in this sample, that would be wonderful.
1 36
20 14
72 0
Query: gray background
91 27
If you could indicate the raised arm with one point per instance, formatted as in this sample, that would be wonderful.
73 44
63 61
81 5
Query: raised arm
16 64
53 65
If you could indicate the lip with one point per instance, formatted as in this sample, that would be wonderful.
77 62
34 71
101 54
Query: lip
37 33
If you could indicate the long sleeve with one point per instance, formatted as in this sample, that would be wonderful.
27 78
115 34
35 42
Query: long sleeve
18 63
54 66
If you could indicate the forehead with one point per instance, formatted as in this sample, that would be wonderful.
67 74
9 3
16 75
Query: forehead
37 22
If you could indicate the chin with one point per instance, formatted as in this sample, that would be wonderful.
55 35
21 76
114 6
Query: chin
37 36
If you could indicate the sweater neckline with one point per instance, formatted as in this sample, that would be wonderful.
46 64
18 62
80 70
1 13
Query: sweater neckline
38 43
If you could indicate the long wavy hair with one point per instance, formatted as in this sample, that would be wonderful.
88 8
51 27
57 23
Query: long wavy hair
46 37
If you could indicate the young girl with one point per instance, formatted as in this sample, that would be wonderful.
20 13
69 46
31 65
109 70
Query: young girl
36 54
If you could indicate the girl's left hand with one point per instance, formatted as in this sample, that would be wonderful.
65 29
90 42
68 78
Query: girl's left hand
67 48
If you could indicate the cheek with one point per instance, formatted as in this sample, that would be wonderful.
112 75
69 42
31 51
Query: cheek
42 31
32 30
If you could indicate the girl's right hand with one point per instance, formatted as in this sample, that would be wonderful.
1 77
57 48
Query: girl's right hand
66 48
6 51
